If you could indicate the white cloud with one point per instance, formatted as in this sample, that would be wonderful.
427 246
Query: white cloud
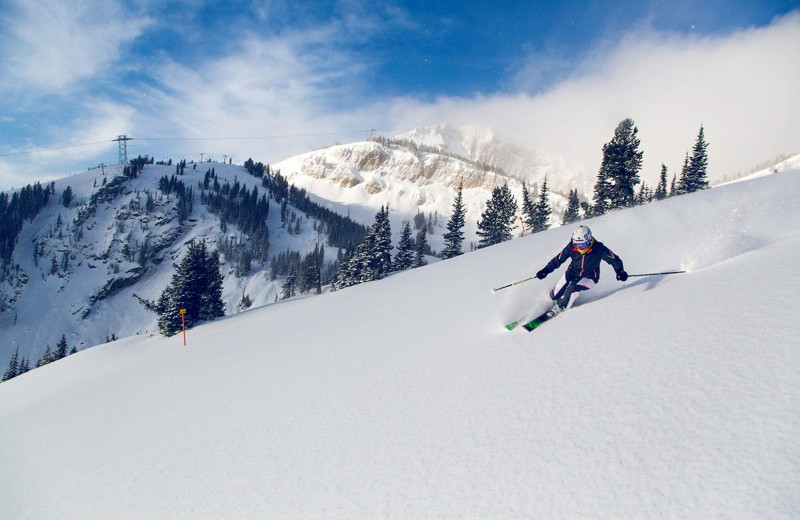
50 45
742 87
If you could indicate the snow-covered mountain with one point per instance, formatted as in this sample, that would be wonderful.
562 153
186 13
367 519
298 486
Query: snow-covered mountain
661 397
419 172
121 237
75 269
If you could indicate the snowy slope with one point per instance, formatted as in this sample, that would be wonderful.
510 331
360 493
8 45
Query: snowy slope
792 163
661 397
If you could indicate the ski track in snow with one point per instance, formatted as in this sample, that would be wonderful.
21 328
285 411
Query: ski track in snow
663 397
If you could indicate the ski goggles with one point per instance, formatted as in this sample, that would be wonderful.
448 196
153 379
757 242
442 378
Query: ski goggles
582 247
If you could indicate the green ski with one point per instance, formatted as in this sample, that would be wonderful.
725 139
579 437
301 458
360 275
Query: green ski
536 321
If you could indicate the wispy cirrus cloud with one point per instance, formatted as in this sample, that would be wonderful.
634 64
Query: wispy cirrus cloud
49 45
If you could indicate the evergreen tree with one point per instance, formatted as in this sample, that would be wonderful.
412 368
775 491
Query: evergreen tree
13 369
661 189
496 221
622 161
421 247
168 310
528 210
211 297
541 211
61 348
383 243
683 182
573 208
645 195
196 287
698 165
363 265
66 196
602 195
46 358
289 286
454 238
405 256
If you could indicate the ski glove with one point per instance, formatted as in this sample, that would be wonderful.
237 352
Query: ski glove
622 276
542 274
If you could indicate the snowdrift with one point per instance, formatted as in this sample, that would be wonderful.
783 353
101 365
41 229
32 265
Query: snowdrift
661 397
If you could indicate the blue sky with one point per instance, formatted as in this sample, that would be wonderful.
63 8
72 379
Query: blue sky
285 77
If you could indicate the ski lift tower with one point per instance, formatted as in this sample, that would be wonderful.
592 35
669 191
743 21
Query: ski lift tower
122 140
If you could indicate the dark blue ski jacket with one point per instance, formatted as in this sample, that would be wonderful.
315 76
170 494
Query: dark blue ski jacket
586 265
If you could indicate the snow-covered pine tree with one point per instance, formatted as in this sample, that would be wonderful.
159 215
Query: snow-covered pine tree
13 366
364 264
454 238
420 248
289 286
46 358
211 297
383 242
573 208
541 211
405 256
496 221
196 287
168 311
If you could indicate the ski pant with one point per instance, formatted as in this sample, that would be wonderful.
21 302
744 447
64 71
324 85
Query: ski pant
566 291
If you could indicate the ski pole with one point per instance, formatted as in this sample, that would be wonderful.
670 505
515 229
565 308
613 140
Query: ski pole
512 284
655 274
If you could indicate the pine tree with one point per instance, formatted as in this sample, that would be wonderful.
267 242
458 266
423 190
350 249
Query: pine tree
364 264
169 316
573 208
13 369
698 165
622 161
528 210
211 297
683 182
404 258
289 286
196 287
61 348
383 243
454 238
541 211
496 221
46 358
421 247
602 194
661 189
66 196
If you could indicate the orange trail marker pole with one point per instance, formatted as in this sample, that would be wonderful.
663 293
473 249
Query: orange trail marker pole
183 323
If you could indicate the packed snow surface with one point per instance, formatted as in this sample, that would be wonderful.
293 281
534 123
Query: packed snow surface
661 397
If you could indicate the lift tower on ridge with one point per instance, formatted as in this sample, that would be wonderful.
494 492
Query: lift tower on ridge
122 140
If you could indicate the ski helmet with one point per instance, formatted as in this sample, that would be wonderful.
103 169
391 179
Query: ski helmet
581 235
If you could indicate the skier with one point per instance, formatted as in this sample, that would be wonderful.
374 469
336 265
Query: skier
584 271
